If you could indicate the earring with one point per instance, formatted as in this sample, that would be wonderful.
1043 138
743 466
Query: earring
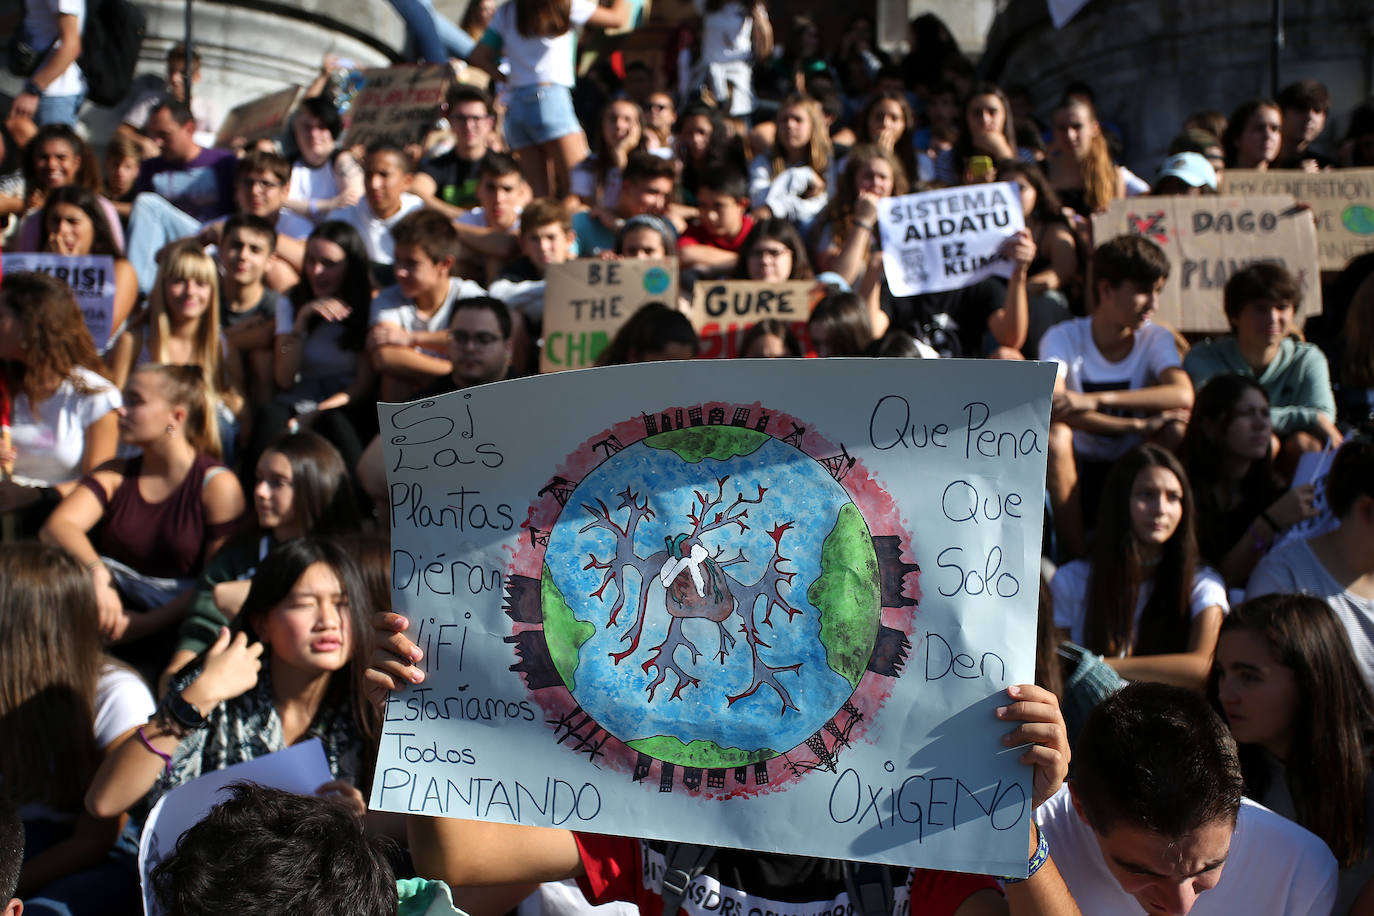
171 430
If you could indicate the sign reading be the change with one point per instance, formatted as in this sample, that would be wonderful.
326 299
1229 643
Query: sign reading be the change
948 239
587 300
705 602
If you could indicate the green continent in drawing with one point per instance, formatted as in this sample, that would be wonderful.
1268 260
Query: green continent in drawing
711 596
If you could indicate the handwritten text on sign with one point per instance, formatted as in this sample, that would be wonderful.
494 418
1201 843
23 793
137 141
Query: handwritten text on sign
397 104
948 239
1207 239
586 301
92 280
679 600
724 310
1342 204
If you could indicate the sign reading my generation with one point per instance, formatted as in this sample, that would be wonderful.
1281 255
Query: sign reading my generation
948 239
1207 239
92 279
587 300
397 104
724 310
678 600
1342 203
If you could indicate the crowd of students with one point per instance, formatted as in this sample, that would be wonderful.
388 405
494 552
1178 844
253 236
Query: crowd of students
195 571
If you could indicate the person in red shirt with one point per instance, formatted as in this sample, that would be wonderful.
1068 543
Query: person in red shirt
711 245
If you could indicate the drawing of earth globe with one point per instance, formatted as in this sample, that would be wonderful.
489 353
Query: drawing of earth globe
817 656
1359 219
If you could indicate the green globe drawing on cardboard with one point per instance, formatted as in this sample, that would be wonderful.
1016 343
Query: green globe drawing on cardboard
710 599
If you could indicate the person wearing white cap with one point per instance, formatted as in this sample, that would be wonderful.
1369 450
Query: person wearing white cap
1186 173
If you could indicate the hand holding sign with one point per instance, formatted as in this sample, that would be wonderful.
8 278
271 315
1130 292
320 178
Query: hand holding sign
948 239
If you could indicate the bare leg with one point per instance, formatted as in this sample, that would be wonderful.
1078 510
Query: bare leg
565 152
1065 499
535 168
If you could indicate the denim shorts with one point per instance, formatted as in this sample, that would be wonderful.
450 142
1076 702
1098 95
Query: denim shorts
538 114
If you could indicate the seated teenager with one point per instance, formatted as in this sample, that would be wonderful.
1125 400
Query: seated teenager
300 487
595 181
1243 507
64 705
484 857
1054 280
386 201
324 178
1336 567
1260 301
1142 599
319 361
1154 820
248 309
75 224
710 246
62 406
260 189
291 670
655 332
488 231
793 179
646 187
1304 106
1119 381
407 339
773 252
1299 709
546 237
55 158
144 527
448 182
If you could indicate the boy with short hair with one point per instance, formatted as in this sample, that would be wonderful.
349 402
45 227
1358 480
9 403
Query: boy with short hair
1119 383
1304 106
408 341
711 244
448 183
488 231
646 186
387 175
248 308
546 237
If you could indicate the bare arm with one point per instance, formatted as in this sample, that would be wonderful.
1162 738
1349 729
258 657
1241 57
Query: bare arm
424 187
484 58
102 440
1182 669
120 359
615 16
707 257
488 240
1010 324
1170 400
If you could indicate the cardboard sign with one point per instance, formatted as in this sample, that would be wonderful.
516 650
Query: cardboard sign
948 239
397 104
724 310
678 600
1207 239
262 117
1342 202
587 300
92 279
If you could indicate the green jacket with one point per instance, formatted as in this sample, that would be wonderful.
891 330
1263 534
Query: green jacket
1297 381
236 560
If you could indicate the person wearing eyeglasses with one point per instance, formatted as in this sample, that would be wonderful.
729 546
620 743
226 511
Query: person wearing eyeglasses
448 182
659 116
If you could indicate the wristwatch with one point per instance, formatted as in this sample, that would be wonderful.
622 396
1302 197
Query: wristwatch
183 712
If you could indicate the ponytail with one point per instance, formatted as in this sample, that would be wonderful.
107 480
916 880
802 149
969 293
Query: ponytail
185 386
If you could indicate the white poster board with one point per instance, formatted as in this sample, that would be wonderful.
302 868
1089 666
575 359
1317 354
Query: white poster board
771 608
92 279
948 239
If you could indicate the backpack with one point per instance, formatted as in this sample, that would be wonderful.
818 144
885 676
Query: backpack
110 44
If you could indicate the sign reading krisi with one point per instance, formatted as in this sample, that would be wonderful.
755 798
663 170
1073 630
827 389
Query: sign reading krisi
1207 239
679 601
948 239
587 300
92 279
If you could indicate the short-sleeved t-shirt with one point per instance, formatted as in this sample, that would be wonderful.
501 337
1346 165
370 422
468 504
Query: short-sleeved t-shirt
122 702
51 444
539 59
327 366
1294 569
1083 368
727 34
376 232
202 188
741 883
1070 591
455 179
266 307
392 307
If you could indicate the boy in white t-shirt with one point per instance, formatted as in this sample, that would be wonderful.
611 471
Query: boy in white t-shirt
408 342
1120 381
387 201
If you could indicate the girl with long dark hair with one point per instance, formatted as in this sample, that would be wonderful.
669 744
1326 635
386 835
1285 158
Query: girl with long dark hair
1141 599
1287 682
75 223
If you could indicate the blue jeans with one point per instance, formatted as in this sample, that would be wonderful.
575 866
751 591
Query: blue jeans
58 109
103 890
154 223
431 34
